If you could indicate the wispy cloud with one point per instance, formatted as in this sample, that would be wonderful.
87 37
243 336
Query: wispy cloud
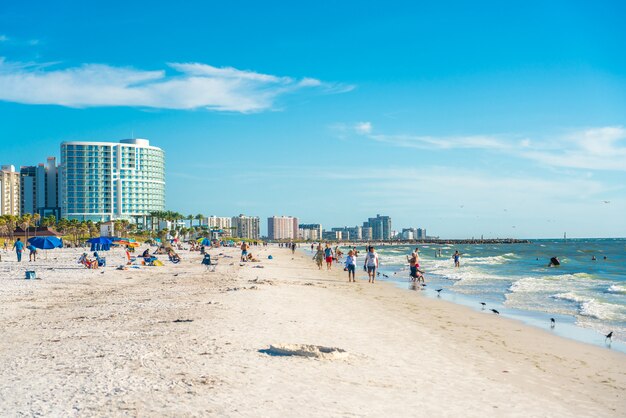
192 86
602 148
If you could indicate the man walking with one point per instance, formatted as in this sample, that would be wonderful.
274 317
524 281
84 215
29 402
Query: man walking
19 248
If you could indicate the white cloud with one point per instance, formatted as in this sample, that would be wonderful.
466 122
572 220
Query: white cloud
193 86
602 148
363 128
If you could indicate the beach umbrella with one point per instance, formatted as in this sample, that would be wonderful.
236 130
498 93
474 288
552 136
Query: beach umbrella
45 243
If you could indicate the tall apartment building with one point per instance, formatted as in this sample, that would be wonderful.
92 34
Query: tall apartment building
9 191
381 227
366 233
282 227
103 181
221 223
310 232
350 233
246 227
40 189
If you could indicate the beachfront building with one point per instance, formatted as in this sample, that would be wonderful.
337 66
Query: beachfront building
103 181
350 233
421 233
282 227
219 223
39 189
366 233
310 232
331 235
381 227
9 191
246 227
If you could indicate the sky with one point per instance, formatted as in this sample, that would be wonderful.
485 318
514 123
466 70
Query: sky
468 119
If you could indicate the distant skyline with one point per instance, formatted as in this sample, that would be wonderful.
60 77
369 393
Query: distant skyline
467 119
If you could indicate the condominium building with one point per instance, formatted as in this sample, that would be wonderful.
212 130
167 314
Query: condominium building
221 223
103 180
381 227
310 232
40 189
9 191
282 227
350 233
246 227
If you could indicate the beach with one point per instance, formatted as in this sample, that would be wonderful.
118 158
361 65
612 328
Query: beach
179 340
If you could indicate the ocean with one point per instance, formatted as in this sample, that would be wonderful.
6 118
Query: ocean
586 297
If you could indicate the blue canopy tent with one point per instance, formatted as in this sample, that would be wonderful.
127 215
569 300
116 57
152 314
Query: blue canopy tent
206 242
100 243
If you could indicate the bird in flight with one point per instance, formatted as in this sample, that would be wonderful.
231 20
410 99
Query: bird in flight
606 201
438 292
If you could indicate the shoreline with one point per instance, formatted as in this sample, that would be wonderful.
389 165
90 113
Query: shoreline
178 340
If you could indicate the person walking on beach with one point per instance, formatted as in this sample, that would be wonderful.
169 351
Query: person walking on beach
351 266
328 255
371 264
293 248
457 259
319 257
18 247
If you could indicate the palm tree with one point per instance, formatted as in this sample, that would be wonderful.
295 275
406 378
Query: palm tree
199 218
25 221
190 219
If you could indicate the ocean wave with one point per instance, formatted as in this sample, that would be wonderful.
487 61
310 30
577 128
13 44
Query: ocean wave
616 288
604 311
554 284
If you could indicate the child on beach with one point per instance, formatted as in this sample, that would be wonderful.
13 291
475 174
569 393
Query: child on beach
32 255
351 266
371 264
457 257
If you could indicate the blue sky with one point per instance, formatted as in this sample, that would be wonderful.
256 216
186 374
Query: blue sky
466 118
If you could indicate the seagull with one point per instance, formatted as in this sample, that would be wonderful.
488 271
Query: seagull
384 275
552 322
484 304
495 312
438 292
609 336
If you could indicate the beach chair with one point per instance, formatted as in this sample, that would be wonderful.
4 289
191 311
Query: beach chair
207 262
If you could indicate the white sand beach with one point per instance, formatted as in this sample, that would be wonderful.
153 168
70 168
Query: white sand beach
105 343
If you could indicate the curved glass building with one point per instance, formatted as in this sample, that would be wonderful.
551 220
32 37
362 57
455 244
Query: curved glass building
103 181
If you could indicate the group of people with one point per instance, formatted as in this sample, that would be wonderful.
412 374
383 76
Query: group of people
20 247
328 255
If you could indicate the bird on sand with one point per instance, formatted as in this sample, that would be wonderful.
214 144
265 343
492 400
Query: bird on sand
484 304
495 312
552 322
384 275
438 291
609 336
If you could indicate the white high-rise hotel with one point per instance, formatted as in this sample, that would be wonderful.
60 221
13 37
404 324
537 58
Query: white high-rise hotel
103 181
282 227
